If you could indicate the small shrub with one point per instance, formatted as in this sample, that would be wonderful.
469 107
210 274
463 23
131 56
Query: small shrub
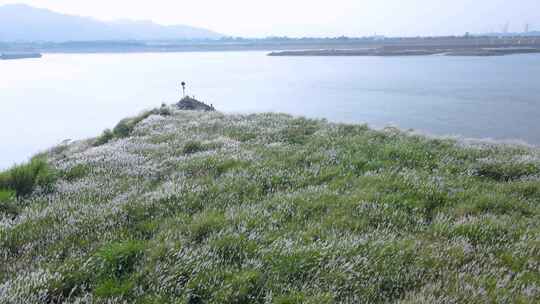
126 126
240 288
483 232
299 131
114 288
74 281
4 180
164 110
240 134
77 172
118 260
352 130
6 195
192 147
7 203
115 264
45 175
123 128
228 165
233 248
206 223
104 138
23 179
295 266
505 171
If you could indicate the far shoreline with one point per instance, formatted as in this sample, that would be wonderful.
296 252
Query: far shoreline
341 46
384 52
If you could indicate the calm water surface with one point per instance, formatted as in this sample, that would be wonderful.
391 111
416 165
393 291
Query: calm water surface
44 101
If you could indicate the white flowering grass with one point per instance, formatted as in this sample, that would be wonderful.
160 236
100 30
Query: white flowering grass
197 207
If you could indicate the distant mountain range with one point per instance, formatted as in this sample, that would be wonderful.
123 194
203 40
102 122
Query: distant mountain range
20 22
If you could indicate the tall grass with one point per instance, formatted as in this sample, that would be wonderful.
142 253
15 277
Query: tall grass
268 208
24 178
7 204
125 127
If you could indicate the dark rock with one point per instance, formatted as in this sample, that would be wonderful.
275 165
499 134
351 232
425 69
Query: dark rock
192 104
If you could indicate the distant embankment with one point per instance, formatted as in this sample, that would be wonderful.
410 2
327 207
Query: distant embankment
12 56
388 44
384 51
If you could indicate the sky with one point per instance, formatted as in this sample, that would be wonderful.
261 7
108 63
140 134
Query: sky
299 18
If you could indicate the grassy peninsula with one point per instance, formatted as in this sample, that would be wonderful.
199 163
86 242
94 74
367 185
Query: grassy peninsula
201 207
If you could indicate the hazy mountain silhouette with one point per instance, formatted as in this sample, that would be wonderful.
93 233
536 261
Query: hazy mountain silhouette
20 22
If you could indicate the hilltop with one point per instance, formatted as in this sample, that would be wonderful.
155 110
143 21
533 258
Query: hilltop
25 23
192 104
201 207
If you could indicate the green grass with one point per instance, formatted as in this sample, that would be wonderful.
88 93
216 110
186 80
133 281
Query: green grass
8 206
6 195
104 138
125 127
24 178
268 208
193 147
77 172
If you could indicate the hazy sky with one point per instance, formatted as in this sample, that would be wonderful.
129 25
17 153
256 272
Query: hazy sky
255 18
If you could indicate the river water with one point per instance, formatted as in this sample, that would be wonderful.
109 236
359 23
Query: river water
74 96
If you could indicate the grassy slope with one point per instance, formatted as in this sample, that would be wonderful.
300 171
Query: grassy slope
208 208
